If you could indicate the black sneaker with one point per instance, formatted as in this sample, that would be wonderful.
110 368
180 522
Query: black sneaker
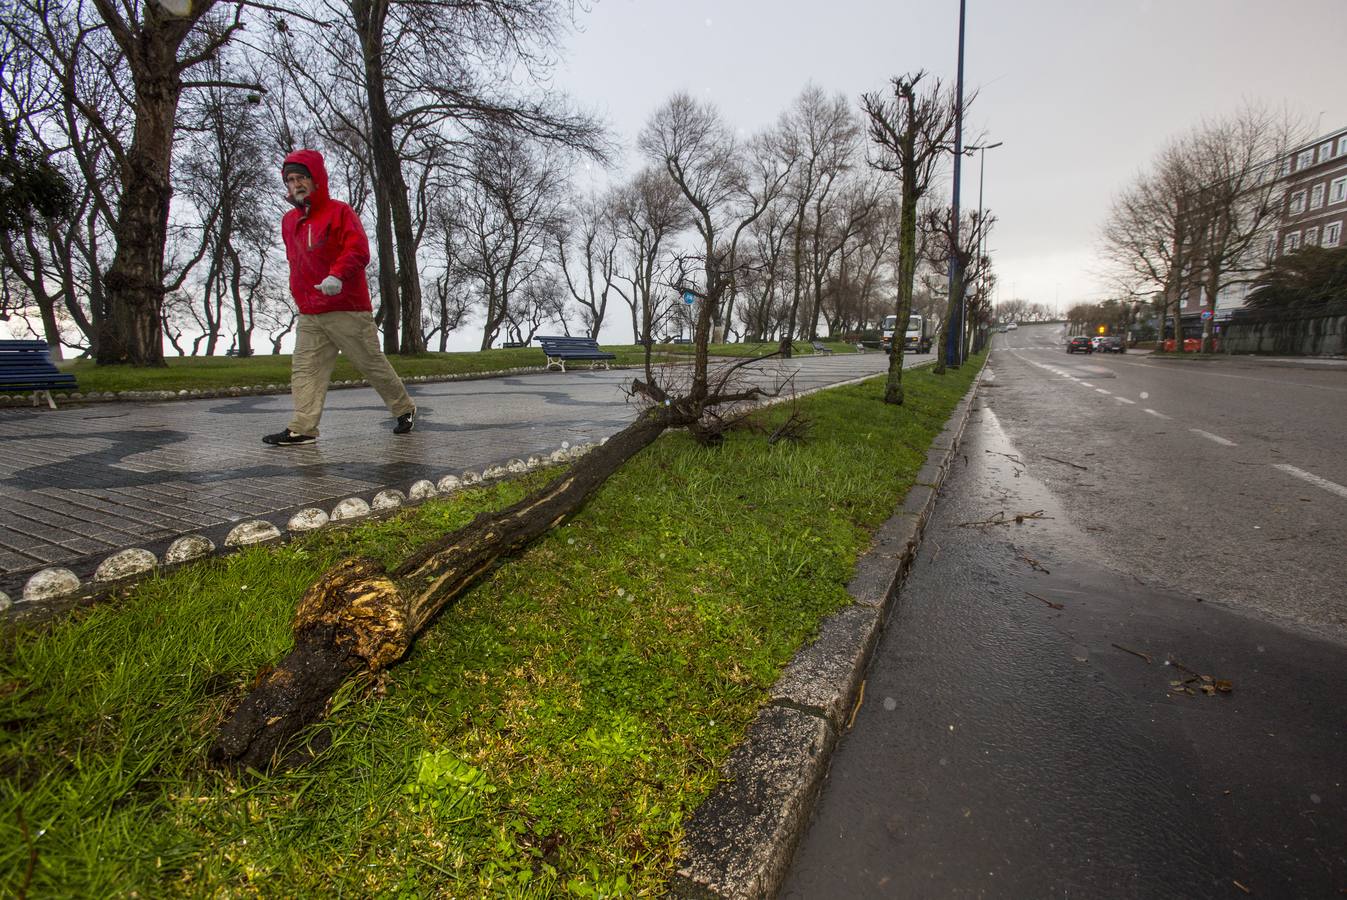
288 438
406 422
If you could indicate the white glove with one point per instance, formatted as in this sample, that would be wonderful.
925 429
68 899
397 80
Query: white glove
331 285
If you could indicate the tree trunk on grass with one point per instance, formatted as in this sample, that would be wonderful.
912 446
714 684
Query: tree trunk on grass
131 332
359 617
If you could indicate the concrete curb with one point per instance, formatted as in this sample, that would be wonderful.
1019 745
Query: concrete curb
739 842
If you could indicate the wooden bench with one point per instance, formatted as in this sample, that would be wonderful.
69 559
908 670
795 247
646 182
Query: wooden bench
820 347
561 349
26 366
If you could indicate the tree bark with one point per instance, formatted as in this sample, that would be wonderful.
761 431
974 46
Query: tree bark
907 272
131 331
369 25
404 277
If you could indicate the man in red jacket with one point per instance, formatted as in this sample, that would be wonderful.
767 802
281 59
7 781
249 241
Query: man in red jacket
328 252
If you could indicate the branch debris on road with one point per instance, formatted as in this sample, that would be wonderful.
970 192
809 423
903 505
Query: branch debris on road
1067 463
1145 656
1045 600
1010 456
999 518
1035 564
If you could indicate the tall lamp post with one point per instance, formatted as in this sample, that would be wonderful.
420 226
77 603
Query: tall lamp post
982 226
954 336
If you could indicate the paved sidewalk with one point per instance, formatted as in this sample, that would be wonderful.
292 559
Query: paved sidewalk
86 481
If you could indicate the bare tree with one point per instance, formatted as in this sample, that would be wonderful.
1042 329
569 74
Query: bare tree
158 49
1198 218
648 211
728 187
594 258
911 131
870 270
504 218
1150 233
539 301
817 137
426 72
1234 201
833 237
275 315
227 176
55 85
975 225
767 276
360 617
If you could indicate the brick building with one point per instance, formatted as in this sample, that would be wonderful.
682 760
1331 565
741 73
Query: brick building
1313 198
1314 209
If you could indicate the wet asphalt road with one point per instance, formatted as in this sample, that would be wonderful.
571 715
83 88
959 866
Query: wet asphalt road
1021 734
1224 479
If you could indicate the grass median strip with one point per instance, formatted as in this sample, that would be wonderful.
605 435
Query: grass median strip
221 372
547 737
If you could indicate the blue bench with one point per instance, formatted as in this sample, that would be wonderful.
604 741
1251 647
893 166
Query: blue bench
561 349
26 366
820 347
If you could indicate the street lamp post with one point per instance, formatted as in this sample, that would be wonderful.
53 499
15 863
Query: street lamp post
982 226
954 337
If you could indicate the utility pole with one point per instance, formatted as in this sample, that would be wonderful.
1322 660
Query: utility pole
954 335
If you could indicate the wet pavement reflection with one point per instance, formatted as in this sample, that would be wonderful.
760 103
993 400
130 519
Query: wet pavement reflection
1035 725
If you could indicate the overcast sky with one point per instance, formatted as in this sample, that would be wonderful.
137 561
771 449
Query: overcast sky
1083 93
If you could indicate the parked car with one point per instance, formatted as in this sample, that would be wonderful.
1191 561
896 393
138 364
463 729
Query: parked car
1109 344
1013 325
1079 344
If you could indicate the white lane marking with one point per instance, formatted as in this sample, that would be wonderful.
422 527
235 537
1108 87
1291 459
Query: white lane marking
1201 371
1331 486
1086 384
1125 400
1102 391
1157 415
1213 437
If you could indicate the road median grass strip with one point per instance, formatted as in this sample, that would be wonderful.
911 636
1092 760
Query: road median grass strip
212 373
547 737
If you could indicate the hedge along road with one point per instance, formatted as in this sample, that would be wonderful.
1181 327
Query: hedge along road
83 482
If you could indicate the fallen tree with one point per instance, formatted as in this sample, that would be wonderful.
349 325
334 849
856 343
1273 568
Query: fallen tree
359 617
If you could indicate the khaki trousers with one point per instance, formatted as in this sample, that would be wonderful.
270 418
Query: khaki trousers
319 339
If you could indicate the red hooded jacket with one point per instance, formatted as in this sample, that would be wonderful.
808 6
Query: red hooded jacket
322 238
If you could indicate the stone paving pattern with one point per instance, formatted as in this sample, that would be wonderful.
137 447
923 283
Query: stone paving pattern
84 481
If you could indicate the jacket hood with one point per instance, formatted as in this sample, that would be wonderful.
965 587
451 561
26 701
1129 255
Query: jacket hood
313 161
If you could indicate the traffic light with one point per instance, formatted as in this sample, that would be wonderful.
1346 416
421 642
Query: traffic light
1103 329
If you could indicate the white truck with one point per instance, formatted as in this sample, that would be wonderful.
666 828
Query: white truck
918 338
